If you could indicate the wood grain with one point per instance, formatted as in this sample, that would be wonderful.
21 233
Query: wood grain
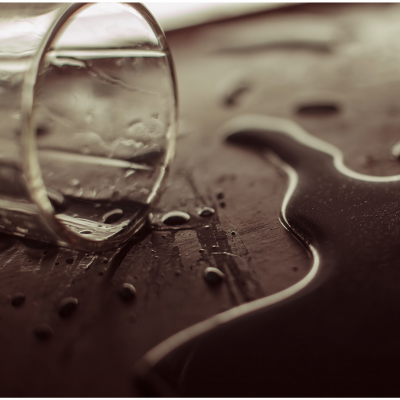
272 63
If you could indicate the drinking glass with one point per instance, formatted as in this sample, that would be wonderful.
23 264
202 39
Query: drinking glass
88 108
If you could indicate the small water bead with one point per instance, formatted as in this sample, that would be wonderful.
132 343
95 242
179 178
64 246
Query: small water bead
174 218
207 226
69 260
18 299
222 204
113 216
213 275
219 193
206 212
127 292
178 273
86 232
67 306
43 332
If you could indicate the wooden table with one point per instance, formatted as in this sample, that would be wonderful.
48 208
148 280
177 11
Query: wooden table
287 63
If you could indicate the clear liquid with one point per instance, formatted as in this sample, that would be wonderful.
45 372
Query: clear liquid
336 332
102 121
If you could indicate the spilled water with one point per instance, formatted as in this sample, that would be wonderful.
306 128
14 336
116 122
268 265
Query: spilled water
335 333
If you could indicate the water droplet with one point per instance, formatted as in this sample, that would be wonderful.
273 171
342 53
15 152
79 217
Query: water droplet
219 193
207 226
43 332
233 233
177 272
101 273
127 292
201 250
173 218
322 109
222 204
69 260
213 275
113 216
67 306
206 212
18 299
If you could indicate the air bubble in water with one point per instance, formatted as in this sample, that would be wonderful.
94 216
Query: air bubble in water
113 216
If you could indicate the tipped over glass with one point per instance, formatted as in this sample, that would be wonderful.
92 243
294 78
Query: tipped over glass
88 121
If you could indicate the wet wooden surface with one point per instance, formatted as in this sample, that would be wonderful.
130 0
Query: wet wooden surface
284 63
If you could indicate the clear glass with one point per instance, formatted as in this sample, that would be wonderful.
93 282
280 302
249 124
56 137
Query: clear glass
88 121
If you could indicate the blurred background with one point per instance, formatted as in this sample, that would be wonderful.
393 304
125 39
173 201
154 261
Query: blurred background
181 15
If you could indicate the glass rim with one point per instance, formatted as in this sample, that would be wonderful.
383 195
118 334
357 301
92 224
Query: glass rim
28 145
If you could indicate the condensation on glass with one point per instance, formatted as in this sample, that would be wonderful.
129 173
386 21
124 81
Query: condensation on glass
88 121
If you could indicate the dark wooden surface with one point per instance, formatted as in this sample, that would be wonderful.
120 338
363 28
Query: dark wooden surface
344 56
